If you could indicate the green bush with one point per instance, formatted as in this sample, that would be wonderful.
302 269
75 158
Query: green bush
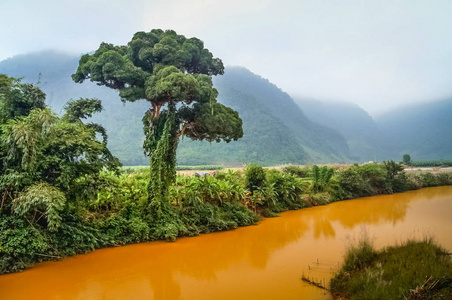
125 227
255 177
22 244
422 179
444 179
301 172
355 182
74 237
286 191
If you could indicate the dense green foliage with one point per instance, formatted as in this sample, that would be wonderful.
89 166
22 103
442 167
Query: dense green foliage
43 158
255 177
411 270
372 179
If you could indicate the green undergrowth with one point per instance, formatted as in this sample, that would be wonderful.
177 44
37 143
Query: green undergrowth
410 270
111 209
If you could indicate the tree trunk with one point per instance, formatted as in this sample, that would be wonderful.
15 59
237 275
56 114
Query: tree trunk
164 140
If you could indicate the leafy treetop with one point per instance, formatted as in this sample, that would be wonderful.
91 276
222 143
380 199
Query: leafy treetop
18 99
163 68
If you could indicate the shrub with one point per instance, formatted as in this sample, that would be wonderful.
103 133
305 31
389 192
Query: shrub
301 172
125 227
284 191
22 244
255 177
444 179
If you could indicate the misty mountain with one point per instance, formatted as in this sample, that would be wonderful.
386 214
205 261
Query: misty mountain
422 130
275 129
359 129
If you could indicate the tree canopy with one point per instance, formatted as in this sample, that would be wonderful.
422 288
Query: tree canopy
17 98
173 73
36 146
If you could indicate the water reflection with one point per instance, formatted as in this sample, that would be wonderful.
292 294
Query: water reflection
263 260
371 210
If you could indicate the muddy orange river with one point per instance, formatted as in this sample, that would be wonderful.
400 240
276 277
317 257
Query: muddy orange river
256 262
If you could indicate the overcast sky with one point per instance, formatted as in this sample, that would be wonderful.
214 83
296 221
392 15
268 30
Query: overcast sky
378 54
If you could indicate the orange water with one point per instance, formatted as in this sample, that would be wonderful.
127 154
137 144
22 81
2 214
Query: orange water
257 262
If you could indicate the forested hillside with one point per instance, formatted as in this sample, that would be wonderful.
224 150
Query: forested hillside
275 129
422 130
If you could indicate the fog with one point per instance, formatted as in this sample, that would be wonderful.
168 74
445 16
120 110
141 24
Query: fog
377 54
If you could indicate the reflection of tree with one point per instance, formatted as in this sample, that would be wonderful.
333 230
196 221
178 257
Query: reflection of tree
322 227
370 210
165 286
162 270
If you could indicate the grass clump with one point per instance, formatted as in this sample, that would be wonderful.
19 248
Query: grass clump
411 270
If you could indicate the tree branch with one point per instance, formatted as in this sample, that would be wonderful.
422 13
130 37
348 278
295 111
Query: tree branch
184 127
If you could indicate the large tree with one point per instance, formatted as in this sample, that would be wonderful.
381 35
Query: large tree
174 74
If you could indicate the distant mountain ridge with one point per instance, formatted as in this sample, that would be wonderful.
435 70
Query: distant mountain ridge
352 122
275 129
423 130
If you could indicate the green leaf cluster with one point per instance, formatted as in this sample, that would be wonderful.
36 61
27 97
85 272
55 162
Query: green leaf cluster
41 200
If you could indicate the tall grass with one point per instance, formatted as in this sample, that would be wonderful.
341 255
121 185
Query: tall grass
410 270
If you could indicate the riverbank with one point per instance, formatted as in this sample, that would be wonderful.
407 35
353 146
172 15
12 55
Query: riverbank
114 213
260 262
